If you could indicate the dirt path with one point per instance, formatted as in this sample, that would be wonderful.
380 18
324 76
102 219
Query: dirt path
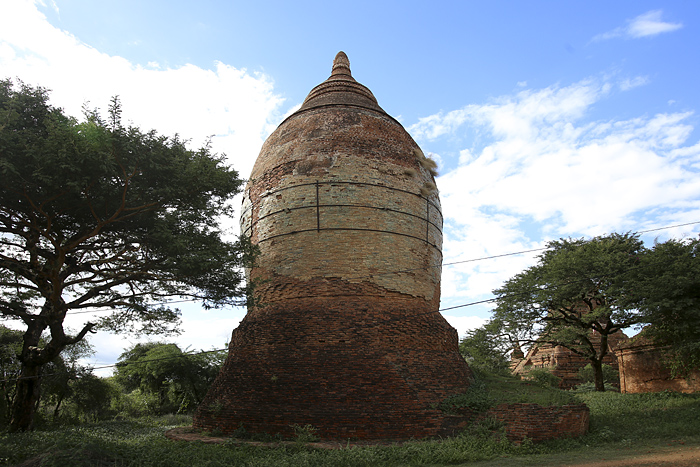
672 455
676 456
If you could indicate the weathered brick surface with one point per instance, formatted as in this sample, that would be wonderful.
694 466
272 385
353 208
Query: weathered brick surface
562 362
531 421
345 334
643 369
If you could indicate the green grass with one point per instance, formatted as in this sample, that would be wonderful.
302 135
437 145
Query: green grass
489 390
621 424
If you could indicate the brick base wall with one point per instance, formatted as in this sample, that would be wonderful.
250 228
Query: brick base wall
353 367
642 369
530 421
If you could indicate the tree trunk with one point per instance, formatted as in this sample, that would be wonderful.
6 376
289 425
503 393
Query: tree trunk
26 397
597 365
58 407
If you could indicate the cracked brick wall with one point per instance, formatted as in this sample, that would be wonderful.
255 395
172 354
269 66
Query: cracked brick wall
643 369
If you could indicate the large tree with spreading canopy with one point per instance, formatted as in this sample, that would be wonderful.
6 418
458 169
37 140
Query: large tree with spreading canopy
577 295
98 216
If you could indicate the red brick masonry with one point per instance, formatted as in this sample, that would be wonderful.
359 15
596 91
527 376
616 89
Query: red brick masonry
345 334
530 421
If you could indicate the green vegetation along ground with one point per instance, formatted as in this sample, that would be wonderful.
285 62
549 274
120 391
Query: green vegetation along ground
621 425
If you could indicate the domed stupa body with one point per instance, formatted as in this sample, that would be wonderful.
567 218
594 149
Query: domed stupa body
344 333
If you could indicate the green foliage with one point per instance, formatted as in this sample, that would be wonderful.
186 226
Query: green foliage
176 380
91 398
669 284
578 288
137 403
10 348
486 347
543 377
97 214
476 398
610 374
62 378
305 433
489 389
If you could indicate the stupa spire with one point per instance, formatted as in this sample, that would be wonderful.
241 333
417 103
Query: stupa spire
340 89
341 65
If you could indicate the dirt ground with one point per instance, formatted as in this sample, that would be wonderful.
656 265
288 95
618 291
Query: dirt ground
672 455
676 456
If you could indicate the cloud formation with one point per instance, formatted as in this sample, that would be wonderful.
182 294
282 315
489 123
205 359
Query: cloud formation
235 106
540 170
238 108
645 25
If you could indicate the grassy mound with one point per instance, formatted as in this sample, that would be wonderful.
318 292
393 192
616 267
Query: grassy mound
489 390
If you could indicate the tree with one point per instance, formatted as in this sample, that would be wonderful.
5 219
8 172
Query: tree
669 287
579 293
487 347
99 216
180 380
58 374
91 397
10 348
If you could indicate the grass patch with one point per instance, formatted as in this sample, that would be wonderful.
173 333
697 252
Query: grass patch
138 443
636 417
621 425
488 390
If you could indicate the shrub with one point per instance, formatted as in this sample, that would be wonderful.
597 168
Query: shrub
543 377
305 433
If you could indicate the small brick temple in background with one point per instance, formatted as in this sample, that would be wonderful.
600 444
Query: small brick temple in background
344 333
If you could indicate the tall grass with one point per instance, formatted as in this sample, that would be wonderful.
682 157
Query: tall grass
141 443
635 417
616 420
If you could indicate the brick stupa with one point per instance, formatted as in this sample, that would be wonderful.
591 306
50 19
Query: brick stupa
344 334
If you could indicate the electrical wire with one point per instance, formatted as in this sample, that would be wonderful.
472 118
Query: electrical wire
386 320
472 260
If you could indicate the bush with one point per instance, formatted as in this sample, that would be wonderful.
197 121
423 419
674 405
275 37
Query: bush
543 377
135 404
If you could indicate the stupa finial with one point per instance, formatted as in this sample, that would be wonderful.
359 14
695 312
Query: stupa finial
341 65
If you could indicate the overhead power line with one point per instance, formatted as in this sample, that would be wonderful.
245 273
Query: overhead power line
400 271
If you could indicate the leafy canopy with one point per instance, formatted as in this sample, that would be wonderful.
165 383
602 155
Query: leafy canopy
579 293
670 291
577 286
179 380
95 215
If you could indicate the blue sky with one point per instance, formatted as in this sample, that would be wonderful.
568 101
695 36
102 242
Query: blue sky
549 119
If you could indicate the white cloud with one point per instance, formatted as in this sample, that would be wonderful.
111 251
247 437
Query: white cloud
231 104
631 83
650 24
546 171
645 25
236 107
464 323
